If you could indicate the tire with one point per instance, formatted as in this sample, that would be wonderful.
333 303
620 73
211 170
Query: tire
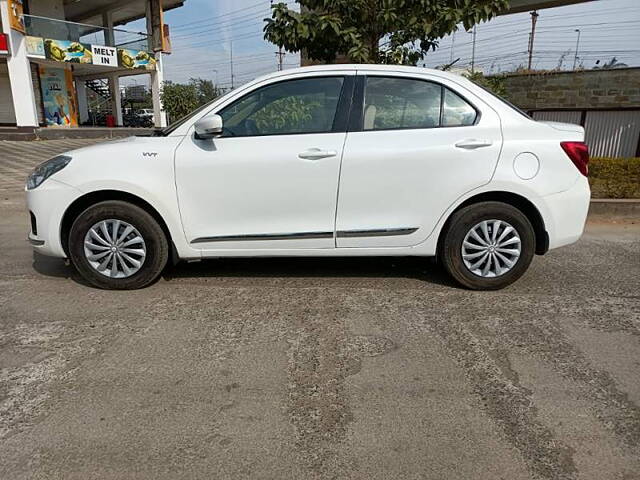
137 264
510 266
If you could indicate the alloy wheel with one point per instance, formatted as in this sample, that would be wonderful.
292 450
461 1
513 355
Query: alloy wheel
115 248
491 248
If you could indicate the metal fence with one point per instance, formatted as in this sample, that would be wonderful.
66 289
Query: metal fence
609 133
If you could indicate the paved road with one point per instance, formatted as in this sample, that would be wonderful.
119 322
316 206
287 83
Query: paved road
360 368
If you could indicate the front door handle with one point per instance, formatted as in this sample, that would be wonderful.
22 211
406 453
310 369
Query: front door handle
472 144
317 154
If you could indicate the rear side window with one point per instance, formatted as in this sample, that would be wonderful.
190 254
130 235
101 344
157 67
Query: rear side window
400 103
456 112
405 103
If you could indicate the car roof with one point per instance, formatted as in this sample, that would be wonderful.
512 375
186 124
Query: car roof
362 67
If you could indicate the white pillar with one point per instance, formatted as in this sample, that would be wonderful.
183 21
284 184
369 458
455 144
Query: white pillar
157 77
116 98
24 100
83 108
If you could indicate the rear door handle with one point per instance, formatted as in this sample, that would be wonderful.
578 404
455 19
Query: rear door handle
317 154
472 144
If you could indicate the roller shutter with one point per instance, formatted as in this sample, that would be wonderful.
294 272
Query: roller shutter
7 114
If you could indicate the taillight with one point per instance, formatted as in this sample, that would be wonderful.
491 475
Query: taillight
578 152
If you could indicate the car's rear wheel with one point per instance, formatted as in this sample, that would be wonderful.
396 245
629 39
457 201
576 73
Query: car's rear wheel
487 245
118 245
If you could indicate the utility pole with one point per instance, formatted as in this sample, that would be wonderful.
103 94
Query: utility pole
231 61
473 51
453 41
279 53
575 58
534 19
280 56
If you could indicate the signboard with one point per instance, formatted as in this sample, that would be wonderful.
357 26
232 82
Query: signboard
166 39
58 97
4 45
135 59
15 15
104 55
67 51
135 93
35 46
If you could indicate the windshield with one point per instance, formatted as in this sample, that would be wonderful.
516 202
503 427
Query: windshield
167 130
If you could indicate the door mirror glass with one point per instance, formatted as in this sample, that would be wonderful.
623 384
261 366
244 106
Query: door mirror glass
208 127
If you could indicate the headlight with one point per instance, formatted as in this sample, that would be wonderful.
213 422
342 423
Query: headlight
46 169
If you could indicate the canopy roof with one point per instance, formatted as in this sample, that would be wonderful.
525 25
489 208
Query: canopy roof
124 11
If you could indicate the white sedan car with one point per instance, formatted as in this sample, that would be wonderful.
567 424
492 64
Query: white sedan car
338 160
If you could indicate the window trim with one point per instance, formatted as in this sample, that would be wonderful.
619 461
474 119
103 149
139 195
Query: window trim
340 118
356 120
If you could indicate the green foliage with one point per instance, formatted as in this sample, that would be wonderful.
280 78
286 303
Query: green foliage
366 31
614 177
495 83
206 90
180 99
285 115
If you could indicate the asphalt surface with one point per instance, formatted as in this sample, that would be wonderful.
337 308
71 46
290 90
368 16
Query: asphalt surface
320 368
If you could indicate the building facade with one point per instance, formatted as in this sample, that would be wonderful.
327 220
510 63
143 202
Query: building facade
64 59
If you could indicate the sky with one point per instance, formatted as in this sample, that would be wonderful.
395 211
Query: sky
204 32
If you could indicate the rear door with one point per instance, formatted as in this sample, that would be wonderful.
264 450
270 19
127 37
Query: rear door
415 145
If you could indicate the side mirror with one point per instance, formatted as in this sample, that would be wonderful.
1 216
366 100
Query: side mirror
208 127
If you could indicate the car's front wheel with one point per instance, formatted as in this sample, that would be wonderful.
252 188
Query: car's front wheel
118 245
487 245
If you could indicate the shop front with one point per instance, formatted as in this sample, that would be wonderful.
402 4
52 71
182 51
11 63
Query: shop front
58 73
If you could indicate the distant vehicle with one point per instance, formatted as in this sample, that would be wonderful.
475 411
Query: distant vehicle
339 160
146 112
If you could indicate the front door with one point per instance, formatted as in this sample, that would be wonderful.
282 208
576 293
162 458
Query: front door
418 146
270 181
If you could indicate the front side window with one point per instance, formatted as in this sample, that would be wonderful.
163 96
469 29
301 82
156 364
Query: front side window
306 105
402 103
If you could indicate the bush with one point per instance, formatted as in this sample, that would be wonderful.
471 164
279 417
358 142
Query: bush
614 177
180 99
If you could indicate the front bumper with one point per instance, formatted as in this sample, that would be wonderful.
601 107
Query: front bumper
48 203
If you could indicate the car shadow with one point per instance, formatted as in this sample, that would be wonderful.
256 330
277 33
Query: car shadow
415 268
313 267
56 267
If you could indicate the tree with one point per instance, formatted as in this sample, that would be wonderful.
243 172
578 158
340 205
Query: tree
206 90
494 83
373 31
180 99
613 63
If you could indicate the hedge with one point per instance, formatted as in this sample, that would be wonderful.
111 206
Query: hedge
614 177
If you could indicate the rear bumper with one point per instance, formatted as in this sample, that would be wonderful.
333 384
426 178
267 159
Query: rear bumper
48 203
565 213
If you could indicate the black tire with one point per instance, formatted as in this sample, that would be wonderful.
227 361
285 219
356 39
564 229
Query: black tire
462 221
157 247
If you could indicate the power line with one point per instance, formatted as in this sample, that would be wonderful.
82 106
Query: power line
244 9
240 23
